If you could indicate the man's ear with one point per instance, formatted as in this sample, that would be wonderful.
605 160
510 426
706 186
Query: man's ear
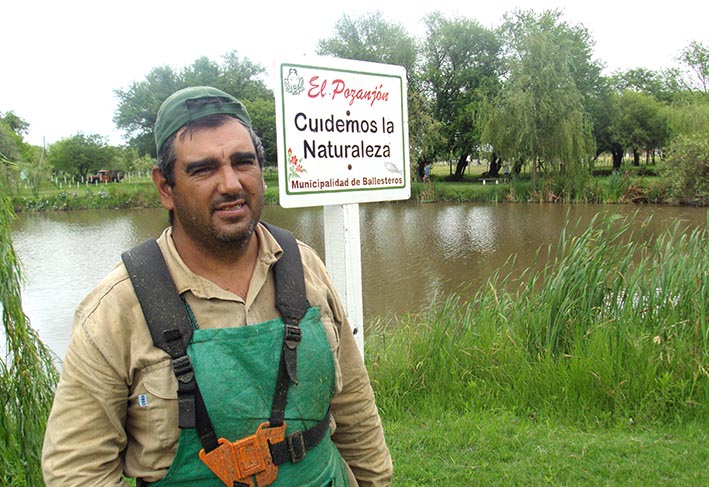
164 189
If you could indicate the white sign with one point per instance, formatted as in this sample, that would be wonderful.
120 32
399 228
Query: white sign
342 131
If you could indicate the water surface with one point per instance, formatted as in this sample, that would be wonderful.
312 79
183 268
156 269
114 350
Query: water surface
410 251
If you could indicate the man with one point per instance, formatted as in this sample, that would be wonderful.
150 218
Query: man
121 398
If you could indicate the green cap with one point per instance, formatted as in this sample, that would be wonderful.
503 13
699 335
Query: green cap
182 107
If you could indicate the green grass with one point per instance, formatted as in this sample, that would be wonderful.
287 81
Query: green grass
136 193
497 448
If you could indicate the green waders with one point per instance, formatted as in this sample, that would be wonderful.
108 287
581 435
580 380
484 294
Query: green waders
237 370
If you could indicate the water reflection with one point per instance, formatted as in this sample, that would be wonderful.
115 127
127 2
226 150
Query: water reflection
409 251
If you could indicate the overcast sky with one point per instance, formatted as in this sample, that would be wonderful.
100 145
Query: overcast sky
62 59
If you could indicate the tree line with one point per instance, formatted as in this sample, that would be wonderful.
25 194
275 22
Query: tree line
528 93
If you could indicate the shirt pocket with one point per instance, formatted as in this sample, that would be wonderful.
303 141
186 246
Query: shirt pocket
152 412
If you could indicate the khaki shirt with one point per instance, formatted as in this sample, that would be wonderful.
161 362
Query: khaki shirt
98 430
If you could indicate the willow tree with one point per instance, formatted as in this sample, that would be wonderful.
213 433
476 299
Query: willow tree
539 117
27 372
695 58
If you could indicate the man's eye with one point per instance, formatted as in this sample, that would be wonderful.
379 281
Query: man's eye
199 170
245 162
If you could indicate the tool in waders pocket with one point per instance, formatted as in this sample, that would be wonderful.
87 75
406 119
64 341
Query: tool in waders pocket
253 460
246 461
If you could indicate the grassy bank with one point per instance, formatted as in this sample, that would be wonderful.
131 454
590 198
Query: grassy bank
591 371
133 192
633 185
639 184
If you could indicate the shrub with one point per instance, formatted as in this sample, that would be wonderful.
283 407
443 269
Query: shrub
687 169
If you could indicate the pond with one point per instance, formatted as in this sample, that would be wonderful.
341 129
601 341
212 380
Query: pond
410 251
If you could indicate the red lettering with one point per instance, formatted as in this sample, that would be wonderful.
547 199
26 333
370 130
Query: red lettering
314 87
319 89
339 87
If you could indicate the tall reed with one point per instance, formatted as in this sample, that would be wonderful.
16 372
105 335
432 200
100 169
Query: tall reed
611 328
27 373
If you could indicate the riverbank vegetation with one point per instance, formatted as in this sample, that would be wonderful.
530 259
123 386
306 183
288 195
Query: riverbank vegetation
644 184
27 373
591 370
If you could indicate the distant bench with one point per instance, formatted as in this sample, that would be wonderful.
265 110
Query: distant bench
495 180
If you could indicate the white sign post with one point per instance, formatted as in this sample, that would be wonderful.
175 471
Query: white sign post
342 132
343 256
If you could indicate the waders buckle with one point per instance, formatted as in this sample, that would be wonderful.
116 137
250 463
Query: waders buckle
246 460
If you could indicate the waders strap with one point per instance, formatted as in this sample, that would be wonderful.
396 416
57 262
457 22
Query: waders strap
288 276
292 304
295 445
171 330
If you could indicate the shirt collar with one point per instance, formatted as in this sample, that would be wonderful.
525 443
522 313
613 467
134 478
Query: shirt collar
185 280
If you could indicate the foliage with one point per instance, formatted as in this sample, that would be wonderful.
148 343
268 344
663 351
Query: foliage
10 142
130 159
138 104
643 80
371 38
15 123
80 154
695 57
374 39
690 115
27 373
132 192
631 185
19 162
461 69
104 197
263 115
639 122
687 167
539 115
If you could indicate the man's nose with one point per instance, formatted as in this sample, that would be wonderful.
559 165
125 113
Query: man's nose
229 180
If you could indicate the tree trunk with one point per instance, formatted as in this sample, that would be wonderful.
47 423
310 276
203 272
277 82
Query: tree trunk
460 167
636 157
617 153
495 165
419 168
517 167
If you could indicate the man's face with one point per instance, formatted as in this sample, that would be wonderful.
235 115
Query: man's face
218 193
